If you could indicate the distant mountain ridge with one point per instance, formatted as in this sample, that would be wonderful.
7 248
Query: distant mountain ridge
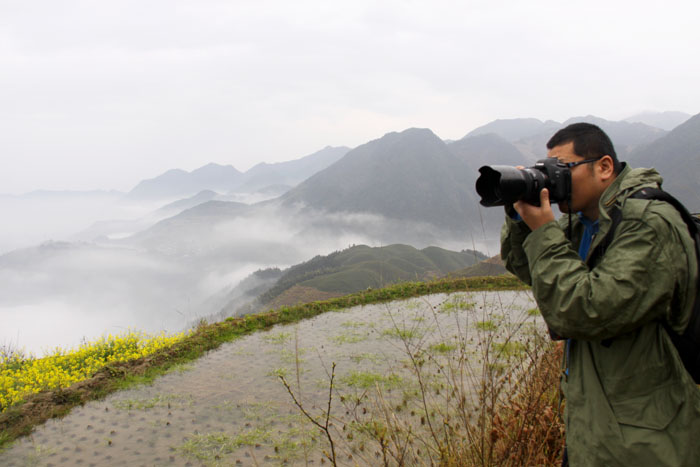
177 183
225 179
530 135
664 120
290 173
515 129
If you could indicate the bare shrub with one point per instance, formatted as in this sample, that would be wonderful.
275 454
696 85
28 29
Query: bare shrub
485 395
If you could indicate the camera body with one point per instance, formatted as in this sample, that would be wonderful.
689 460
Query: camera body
502 184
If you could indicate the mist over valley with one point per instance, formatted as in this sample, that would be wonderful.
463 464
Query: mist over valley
207 243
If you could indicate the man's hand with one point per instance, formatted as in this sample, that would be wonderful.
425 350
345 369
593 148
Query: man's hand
536 216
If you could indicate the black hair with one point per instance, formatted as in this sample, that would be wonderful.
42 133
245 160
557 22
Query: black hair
590 142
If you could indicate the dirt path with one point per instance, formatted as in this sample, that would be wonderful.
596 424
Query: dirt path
230 407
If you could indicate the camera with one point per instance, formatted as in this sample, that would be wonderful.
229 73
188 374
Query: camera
502 184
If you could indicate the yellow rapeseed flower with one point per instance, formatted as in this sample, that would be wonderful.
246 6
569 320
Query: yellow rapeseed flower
20 376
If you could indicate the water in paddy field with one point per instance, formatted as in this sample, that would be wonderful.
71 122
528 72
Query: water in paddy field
231 407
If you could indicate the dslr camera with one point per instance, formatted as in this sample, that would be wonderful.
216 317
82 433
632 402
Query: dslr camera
499 185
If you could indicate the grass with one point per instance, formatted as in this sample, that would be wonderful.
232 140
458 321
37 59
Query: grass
279 338
509 349
348 338
157 401
214 448
367 379
370 357
443 347
402 334
488 326
211 446
457 303
23 413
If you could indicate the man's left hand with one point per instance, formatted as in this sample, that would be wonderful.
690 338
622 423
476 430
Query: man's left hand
536 216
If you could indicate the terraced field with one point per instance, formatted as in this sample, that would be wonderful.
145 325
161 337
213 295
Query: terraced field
389 364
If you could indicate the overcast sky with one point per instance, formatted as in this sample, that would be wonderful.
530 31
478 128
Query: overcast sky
102 94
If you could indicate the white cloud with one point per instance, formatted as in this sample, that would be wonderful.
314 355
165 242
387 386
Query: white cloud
104 94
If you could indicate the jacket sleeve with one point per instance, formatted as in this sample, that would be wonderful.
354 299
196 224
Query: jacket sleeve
633 283
513 234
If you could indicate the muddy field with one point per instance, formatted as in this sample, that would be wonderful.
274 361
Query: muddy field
232 408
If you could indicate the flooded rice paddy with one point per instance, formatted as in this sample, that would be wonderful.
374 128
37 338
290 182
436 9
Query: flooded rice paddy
231 407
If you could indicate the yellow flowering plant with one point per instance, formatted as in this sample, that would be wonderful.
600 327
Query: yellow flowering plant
22 375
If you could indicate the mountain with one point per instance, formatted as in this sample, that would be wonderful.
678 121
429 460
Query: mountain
187 203
486 149
359 267
489 267
515 129
625 136
412 176
290 173
178 183
664 120
225 179
190 232
677 158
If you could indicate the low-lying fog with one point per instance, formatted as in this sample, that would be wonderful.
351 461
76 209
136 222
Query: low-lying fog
92 281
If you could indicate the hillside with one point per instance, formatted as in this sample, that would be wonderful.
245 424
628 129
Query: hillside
361 266
289 173
677 158
489 267
412 176
189 231
487 149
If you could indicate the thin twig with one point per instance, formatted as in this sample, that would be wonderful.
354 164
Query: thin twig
325 426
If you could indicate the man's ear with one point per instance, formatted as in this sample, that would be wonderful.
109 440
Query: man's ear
606 167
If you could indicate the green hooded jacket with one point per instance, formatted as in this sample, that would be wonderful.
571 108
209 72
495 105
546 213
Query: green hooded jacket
629 400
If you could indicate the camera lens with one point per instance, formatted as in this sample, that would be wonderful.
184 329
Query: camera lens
501 184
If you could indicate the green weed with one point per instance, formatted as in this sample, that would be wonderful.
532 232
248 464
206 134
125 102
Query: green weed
488 325
348 338
403 334
366 379
371 357
353 324
509 349
443 347
167 400
278 338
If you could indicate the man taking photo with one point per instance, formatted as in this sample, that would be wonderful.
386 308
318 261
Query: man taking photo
629 399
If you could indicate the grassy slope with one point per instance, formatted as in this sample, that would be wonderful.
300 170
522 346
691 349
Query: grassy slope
360 267
19 420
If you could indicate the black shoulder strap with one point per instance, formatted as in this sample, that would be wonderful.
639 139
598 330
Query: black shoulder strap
661 195
645 193
688 343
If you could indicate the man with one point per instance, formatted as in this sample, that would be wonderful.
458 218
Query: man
629 400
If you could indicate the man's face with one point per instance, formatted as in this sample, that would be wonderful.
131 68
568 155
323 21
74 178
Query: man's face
585 191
